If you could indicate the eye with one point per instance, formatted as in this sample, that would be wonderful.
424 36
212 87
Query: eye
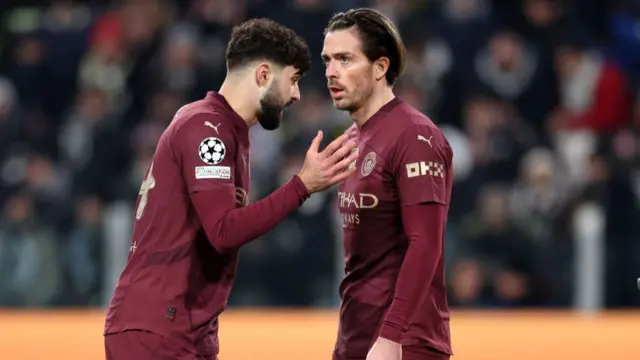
344 60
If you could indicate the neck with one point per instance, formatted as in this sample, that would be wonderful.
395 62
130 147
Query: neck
375 102
234 90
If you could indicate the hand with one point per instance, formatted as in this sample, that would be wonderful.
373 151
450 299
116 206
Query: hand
322 170
384 349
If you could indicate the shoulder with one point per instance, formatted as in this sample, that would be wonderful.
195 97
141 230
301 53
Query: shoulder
197 116
414 126
199 130
198 121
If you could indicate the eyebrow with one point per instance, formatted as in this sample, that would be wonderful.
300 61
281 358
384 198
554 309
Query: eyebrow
338 54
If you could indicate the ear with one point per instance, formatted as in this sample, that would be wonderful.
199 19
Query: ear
263 72
380 67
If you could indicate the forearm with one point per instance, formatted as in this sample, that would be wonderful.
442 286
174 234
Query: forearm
240 226
424 229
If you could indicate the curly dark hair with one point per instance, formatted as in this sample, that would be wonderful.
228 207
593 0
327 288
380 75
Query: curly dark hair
265 39
379 37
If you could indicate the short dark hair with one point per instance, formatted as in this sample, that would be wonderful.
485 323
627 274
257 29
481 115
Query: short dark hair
380 38
265 39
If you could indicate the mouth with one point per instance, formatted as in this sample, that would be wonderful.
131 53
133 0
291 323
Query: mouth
336 91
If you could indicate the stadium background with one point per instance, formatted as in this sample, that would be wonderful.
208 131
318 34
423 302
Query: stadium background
539 98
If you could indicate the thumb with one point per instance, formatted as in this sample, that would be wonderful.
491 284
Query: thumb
315 144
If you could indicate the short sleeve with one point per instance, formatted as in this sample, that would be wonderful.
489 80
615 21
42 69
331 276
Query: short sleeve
421 165
205 148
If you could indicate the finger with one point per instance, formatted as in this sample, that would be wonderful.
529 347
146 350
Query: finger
340 177
333 146
342 152
344 163
315 144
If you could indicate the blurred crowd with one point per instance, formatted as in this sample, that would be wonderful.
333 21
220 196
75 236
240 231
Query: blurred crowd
539 98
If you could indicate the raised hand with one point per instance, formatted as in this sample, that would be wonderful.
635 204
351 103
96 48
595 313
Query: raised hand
323 169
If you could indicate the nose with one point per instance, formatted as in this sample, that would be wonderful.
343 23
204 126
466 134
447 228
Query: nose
295 95
330 71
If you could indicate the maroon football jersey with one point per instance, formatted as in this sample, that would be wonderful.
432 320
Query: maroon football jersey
404 160
175 283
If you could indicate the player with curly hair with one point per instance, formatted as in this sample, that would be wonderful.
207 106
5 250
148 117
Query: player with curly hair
192 212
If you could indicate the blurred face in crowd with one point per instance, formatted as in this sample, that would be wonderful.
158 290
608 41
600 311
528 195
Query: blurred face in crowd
598 170
506 49
567 60
350 74
494 207
480 116
540 13
28 52
467 281
464 9
279 91
39 172
92 105
538 168
18 209
88 210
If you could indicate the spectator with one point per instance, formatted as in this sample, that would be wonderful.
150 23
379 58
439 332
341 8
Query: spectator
512 69
594 94
28 257
82 255
496 256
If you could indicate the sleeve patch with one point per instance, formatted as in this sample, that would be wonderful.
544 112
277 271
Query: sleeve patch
422 168
212 150
213 172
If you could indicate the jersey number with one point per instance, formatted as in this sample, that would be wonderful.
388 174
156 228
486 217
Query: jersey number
148 184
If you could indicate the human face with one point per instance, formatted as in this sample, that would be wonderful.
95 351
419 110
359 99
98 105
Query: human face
567 61
506 50
281 92
350 74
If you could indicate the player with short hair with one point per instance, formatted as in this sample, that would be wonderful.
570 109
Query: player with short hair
192 214
394 208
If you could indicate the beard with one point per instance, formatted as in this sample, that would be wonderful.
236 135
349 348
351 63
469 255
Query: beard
354 100
271 106
346 105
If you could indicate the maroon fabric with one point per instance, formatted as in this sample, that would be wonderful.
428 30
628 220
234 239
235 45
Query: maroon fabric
191 217
143 345
394 211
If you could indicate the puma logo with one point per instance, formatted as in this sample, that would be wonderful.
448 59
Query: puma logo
214 127
428 141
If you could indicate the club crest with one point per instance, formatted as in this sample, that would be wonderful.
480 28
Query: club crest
368 163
